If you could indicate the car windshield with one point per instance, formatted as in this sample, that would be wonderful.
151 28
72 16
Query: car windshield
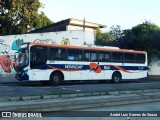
22 59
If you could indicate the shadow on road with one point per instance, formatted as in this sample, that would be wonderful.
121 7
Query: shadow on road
10 81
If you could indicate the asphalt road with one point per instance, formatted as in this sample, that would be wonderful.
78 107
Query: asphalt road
127 112
11 87
143 111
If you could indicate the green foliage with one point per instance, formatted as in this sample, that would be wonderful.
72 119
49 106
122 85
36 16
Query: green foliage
142 37
116 32
18 16
41 20
99 37
103 38
109 38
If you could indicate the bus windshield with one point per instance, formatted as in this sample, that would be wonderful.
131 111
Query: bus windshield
22 59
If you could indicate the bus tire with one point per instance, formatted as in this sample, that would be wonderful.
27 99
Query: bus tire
55 79
116 77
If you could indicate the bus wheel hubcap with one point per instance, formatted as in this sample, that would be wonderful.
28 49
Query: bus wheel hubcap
116 78
56 79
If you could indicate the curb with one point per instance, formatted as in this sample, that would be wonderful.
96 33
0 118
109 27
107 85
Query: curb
74 95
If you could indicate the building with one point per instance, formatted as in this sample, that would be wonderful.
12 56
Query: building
69 24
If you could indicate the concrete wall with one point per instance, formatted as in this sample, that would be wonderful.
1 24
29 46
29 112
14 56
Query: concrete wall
154 67
90 35
10 44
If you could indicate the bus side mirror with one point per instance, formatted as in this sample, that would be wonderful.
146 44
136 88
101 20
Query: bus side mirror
12 57
16 55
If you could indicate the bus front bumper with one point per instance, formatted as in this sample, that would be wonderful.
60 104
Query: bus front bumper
18 77
21 76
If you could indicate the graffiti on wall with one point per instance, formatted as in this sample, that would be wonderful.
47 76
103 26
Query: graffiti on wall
16 44
6 63
4 48
45 41
65 42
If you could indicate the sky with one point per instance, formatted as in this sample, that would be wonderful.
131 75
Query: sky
126 13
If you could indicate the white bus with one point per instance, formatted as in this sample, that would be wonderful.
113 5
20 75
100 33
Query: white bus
57 63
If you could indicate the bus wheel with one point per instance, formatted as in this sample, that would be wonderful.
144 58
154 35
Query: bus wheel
55 79
116 77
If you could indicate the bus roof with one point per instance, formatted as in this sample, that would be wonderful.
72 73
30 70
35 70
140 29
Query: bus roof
89 48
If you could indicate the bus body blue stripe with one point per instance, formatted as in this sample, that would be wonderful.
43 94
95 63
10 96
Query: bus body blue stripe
86 67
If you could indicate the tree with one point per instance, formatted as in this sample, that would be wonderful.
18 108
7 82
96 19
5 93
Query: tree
103 38
144 36
110 38
17 16
40 20
116 32
99 37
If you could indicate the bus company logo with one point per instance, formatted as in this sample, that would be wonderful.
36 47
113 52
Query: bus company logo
73 66
95 67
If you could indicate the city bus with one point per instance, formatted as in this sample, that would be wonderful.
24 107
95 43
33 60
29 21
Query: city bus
57 63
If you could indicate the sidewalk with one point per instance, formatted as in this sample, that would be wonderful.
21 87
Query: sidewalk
76 103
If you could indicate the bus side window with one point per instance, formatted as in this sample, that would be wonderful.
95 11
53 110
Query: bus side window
57 54
74 55
107 57
52 54
104 56
86 56
140 58
100 57
90 56
62 54
117 57
71 55
78 55
129 58
94 56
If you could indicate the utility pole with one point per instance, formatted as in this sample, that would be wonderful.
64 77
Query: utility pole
84 25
